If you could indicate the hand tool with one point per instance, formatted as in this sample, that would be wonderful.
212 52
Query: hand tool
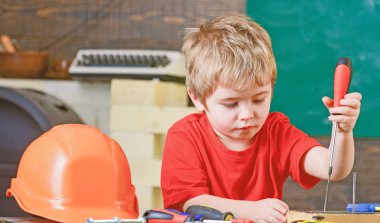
353 191
165 216
222 221
152 216
142 220
209 213
342 79
363 208
115 220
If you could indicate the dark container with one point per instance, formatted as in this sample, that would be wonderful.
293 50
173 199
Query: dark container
24 115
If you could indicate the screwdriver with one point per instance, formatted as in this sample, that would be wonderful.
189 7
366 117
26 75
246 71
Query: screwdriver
151 216
209 213
342 79
168 216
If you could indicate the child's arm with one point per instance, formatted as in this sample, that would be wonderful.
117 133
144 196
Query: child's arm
317 159
266 210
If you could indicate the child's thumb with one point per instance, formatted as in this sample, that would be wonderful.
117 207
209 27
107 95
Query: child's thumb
328 102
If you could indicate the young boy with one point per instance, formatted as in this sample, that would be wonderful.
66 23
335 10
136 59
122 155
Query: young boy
235 155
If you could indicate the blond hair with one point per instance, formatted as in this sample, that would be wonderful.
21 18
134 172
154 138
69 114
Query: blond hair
232 51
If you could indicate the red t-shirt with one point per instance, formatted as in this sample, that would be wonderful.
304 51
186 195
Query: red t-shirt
196 162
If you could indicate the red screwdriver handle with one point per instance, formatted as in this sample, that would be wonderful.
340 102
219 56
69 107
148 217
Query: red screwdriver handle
166 216
342 79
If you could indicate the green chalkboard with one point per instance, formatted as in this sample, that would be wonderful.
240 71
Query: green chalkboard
308 39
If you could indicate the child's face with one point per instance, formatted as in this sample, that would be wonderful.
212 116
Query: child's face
237 116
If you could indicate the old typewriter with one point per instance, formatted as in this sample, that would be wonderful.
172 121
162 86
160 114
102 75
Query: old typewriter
135 64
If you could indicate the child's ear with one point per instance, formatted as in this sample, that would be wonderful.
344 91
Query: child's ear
197 103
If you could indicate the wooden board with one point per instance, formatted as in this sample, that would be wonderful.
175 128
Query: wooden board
142 92
335 217
64 26
146 119
24 220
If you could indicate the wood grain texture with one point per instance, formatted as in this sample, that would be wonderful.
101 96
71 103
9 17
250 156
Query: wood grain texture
336 217
65 26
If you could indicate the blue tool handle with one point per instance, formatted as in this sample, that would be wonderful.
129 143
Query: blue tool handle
363 208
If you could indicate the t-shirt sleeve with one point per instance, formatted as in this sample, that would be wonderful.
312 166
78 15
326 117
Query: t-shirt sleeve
182 175
297 144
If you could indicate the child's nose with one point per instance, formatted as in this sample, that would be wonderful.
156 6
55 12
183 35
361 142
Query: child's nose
246 113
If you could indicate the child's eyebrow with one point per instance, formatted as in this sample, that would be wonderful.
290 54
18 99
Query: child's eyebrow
261 93
227 99
236 98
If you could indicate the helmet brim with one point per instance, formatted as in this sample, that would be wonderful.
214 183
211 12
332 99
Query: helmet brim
69 214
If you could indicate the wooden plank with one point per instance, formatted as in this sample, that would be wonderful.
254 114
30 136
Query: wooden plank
146 172
140 146
148 119
157 201
25 220
143 92
110 24
334 217
149 198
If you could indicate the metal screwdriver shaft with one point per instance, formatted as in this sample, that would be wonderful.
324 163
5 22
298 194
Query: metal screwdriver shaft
115 220
332 148
353 191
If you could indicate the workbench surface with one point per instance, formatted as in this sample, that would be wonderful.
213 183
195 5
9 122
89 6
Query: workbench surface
24 220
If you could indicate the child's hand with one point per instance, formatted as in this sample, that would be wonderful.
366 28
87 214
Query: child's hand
346 114
267 211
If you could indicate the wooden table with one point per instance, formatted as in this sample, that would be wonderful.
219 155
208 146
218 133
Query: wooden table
25 220
334 216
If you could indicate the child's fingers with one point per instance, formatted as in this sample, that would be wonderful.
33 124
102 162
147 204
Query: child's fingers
351 99
353 102
350 105
281 209
277 217
279 205
344 110
356 95
284 205
347 113
328 102
341 118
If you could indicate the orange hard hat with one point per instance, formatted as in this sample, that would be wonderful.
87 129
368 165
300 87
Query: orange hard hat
73 172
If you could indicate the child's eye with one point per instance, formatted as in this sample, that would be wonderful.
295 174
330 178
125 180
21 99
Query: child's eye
258 101
230 105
